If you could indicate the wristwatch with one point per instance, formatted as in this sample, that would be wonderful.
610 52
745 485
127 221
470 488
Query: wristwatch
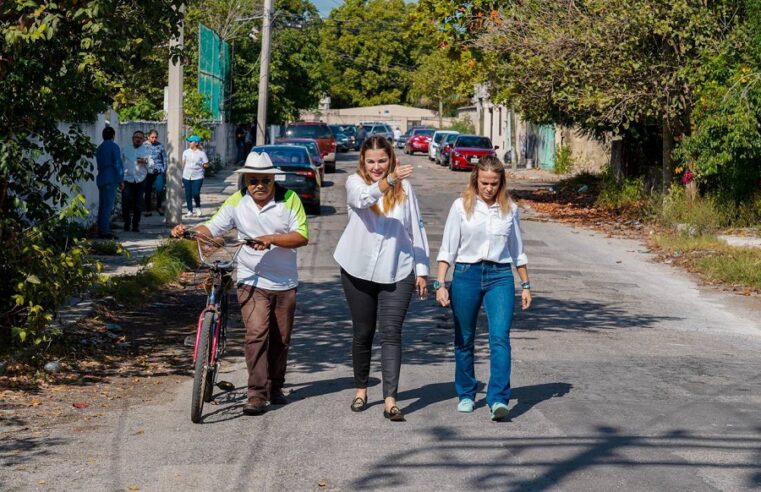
526 285
437 285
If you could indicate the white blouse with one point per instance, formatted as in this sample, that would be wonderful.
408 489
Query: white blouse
382 248
485 236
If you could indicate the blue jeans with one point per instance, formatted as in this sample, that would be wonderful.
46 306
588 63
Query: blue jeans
106 197
160 185
492 285
192 192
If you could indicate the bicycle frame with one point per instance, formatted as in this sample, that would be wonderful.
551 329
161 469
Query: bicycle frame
216 302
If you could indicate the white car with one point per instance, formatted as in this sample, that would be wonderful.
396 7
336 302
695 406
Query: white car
436 140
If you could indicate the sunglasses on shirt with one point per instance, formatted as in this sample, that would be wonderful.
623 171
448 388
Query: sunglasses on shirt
256 181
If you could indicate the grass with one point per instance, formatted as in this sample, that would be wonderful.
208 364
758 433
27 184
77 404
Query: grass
714 259
164 266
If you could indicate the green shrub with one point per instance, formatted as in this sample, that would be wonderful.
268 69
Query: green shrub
704 213
621 194
563 160
46 265
462 125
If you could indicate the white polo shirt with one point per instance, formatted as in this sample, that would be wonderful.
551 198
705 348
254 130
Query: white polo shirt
275 268
382 248
485 236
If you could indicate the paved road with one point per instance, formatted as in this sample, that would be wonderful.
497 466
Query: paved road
626 377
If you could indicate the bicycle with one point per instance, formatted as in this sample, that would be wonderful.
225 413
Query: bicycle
211 329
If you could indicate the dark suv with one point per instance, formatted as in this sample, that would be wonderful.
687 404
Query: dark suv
319 131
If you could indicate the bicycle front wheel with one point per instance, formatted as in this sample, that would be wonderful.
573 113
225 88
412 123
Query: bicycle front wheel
200 379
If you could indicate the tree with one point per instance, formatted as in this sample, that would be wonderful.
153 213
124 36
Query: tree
61 61
444 79
605 65
366 53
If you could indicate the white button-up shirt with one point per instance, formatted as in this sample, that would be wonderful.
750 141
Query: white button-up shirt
382 248
134 172
275 268
485 236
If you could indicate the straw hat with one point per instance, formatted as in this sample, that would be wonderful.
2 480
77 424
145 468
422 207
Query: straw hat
258 164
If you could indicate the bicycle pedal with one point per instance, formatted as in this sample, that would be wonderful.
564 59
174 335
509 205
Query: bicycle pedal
190 341
225 385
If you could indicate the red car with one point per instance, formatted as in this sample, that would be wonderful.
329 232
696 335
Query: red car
418 141
319 131
467 150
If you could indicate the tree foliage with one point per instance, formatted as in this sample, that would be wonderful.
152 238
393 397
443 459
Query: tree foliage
367 53
62 61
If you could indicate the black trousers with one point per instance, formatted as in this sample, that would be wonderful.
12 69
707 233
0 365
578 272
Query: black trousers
132 201
384 305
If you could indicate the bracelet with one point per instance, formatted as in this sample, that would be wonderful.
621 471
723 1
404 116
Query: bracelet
390 180
526 285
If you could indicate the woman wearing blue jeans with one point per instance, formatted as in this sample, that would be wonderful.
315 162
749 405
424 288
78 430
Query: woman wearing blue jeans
482 239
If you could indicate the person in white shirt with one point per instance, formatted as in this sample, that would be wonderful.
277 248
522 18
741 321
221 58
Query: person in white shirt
383 254
482 239
397 134
267 277
194 164
136 160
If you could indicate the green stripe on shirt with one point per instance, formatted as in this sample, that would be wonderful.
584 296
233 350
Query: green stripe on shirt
293 203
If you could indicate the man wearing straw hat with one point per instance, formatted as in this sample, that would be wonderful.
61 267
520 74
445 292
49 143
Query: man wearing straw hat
267 276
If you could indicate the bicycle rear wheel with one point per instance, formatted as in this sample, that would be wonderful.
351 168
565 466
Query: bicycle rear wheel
200 379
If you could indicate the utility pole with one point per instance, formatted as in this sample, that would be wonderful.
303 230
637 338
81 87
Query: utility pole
264 74
174 134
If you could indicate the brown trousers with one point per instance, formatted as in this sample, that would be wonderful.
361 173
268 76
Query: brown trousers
268 318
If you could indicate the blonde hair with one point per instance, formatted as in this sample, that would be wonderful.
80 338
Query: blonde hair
394 196
487 163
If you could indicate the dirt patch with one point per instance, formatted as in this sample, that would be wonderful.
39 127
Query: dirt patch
120 356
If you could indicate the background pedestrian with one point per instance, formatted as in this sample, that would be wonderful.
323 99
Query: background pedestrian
383 254
156 178
482 239
194 164
136 159
110 174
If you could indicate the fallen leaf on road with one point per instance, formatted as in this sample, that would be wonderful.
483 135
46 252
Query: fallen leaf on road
42 482
133 487
140 432
36 403
79 404
323 484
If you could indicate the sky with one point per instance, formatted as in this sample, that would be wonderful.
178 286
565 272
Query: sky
325 6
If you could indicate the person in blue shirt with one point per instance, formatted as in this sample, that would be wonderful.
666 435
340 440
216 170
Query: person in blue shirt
110 176
156 175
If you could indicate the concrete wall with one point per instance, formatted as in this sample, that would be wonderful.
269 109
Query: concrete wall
222 145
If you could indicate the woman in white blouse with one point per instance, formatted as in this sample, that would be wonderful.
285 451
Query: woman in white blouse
482 239
383 254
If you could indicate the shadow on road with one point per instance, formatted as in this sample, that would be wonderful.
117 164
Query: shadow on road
492 464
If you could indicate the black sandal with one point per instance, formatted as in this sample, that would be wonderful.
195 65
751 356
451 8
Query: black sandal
394 415
359 404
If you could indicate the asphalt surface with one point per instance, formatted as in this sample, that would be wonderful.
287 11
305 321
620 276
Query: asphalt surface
626 376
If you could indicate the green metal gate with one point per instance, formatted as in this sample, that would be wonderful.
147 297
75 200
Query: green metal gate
213 70
546 147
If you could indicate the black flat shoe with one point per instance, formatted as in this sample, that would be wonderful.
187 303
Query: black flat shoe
255 408
278 398
358 404
394 415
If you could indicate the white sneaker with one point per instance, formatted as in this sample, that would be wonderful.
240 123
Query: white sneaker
197 212
188 214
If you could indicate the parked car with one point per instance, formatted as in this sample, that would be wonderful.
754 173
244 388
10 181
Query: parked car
419 140
436 140
344 141
444 149
467 149
320 132
302 176
312 147
379 129
403 139
351 132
